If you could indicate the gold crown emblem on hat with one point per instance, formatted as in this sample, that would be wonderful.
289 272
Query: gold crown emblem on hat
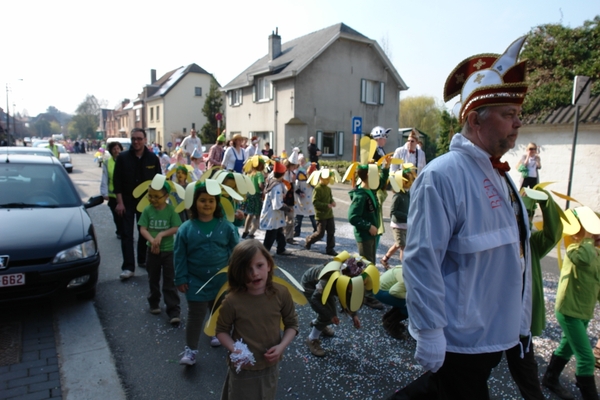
487 80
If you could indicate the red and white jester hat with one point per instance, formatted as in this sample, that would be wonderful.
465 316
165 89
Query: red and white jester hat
487 80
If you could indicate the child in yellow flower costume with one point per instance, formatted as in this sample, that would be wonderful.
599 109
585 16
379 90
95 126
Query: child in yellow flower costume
346 277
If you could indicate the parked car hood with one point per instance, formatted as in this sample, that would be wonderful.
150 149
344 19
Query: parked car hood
31 233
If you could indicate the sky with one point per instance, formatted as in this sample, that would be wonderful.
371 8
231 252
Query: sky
54 53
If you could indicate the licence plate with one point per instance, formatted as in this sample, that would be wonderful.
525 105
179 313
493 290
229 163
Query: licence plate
12 280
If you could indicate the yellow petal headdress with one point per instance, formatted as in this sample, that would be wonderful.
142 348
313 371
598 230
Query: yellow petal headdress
254 161
347 272
295 289
214 188
173 169
157 183
324 173
396 178
368 147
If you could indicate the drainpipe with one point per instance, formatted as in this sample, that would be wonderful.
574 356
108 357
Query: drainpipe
275 120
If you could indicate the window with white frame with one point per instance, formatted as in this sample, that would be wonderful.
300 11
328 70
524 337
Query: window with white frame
197 91
137 115
152 114
235 97
331 144
372 92
158 113
262 90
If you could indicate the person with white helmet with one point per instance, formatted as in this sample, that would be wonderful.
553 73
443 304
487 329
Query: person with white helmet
380 134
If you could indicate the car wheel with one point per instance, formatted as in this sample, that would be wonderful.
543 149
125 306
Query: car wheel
87 295
69 170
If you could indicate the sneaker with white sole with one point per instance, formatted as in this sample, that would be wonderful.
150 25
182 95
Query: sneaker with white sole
126 274
155 311
189 356
214 342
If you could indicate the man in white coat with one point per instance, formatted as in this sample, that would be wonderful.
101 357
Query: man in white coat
467 262
410 152
190 143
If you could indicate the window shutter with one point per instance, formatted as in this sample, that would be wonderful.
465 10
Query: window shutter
241 95
254 93
230 98
340 143
320 139
271 90
381 92
363 90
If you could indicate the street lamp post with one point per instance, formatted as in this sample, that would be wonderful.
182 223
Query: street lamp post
7 118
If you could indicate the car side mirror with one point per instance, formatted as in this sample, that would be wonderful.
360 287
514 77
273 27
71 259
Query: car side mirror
94 201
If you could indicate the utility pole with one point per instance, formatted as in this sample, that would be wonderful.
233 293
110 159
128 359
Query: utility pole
7 118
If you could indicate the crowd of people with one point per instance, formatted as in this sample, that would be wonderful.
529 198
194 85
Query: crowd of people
468 280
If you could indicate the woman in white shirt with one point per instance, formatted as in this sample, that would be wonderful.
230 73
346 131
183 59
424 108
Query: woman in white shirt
531 160
234 157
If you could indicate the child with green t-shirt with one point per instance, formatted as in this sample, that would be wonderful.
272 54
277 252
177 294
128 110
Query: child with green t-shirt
158 224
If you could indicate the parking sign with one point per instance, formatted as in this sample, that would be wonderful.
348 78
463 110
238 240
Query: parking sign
356 125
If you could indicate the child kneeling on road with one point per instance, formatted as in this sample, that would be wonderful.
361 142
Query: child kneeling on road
321 294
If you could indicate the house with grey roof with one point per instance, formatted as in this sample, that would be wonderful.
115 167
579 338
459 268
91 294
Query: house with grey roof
313 86
553 134
173 103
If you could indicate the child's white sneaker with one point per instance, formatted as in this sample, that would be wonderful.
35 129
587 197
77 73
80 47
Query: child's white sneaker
189 356
214 342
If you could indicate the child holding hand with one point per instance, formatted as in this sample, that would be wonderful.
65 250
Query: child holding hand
252 311
158 224
202 248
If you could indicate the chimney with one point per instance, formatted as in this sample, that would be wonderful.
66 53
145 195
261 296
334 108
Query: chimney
152 76
274 45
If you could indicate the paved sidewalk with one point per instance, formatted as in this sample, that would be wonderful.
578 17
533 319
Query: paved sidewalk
58 352
36 374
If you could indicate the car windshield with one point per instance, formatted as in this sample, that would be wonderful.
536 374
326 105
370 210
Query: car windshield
61 148
36 185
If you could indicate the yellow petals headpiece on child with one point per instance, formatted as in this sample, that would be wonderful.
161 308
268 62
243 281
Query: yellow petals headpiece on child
324 173
157 183
350 271
295 289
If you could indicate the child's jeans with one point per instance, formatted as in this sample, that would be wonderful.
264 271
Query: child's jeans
298 225
161 266
275 234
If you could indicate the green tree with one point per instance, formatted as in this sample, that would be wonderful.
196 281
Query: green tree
85 123
212 106
421 112
448 127
556 54
42 128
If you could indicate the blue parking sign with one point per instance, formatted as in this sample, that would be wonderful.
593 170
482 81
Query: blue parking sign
356 125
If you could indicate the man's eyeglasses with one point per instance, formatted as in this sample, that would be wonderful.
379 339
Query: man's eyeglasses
532 148
136 138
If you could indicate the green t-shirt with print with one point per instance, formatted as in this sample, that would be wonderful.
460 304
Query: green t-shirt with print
157 221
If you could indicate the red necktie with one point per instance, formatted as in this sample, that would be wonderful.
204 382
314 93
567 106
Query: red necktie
411 151
502 167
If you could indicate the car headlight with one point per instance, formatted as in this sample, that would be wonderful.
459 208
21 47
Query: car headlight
81 251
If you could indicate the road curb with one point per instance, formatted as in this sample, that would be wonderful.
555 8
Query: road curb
87 368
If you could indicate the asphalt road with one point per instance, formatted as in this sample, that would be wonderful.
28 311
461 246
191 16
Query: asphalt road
360 364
